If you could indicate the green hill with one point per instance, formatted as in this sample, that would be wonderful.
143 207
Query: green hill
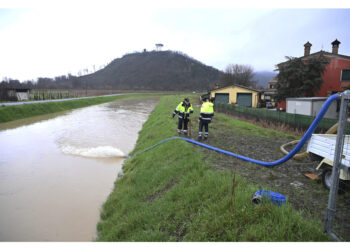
156 70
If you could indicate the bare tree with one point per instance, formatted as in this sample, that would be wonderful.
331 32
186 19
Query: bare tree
238 74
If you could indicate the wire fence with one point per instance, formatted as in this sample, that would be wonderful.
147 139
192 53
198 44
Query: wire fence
296 121
50 94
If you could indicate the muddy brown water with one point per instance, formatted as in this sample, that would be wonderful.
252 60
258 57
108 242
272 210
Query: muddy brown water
57 170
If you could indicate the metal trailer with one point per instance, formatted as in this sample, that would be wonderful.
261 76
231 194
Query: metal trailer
323 145
338 162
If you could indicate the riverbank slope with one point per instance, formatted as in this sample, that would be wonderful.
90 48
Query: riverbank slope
174 192
11 113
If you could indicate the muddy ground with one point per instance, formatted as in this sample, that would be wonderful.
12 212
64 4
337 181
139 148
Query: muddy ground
288 178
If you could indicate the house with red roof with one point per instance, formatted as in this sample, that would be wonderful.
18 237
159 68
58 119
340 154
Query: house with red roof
337 73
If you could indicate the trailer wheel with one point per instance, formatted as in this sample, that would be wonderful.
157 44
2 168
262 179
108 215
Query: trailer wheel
327 181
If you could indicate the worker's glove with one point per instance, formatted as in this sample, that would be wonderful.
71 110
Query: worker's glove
173 115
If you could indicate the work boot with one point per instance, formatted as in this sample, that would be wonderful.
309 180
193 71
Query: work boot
185 132
179 132
199 137
205 138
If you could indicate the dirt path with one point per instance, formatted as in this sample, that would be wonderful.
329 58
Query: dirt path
288 178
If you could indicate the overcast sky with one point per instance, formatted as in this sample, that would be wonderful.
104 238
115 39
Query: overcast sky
47 42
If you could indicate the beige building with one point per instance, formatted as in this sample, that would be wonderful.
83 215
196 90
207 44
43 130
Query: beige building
270 93
236 94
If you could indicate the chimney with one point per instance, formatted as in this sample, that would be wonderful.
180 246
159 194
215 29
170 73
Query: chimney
335 47
307 48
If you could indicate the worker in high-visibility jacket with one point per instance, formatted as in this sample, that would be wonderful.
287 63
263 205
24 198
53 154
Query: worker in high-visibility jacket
207 112
184 109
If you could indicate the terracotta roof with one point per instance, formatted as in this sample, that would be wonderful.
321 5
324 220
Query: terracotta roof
319 53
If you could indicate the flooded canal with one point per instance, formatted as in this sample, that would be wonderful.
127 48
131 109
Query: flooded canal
57 170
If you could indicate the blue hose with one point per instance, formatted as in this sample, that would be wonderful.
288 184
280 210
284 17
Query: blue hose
301 143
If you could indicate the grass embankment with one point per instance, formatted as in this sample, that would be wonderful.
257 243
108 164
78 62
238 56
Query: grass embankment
11 113
171 193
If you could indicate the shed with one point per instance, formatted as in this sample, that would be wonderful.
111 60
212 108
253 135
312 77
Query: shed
311 106
236 94
14 94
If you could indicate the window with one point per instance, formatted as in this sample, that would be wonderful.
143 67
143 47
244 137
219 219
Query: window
345 75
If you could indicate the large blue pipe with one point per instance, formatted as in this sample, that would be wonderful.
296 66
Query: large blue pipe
301 143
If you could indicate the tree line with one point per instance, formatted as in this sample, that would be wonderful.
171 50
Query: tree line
60 82
239 74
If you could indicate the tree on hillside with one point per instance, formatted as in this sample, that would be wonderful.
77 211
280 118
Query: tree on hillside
300 78
238 74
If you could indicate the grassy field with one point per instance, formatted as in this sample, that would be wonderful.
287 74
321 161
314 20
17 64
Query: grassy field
11 113
171 193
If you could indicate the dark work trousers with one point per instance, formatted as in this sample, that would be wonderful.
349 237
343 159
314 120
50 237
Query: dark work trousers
184 122
204 124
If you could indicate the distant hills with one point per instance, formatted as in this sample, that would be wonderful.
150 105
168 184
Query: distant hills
156 70
161 70
263 77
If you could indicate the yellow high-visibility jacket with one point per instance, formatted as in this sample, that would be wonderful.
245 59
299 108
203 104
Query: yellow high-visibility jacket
183 110
207 112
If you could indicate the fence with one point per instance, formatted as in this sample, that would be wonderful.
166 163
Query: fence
339 164
295 121
49 94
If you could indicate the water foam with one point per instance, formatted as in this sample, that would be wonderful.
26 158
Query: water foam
96 152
